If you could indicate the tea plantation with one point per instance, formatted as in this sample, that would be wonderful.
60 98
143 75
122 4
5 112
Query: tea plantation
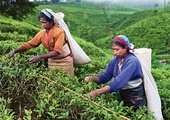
34 92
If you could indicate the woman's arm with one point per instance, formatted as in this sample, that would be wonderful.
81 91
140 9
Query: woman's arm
35 59
34 42
97 92
87 79
17 50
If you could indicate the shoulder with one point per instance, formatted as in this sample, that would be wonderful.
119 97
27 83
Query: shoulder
131 58
59 29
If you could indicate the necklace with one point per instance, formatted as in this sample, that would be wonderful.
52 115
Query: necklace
120 65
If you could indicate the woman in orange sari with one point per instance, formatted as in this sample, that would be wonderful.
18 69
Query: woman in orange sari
53 38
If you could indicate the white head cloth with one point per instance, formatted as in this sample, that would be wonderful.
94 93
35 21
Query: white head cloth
48 12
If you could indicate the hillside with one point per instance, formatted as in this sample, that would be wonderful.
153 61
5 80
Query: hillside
148 28
84 22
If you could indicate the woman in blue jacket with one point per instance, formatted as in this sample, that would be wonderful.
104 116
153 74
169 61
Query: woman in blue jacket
126 70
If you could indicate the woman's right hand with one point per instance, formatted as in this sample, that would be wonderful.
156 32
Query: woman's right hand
87 79
11 54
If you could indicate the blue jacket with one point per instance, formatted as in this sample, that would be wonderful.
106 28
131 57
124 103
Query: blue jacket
131 70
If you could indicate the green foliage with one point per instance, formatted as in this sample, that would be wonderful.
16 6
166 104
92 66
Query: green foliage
5 112
10 28
145 29
164 87
14 35
144 33
41 99
108 6
26 95
160 73
162 77
18 9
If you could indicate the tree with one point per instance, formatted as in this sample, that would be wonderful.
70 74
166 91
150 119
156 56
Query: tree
18 9
156 5
55 1
164 4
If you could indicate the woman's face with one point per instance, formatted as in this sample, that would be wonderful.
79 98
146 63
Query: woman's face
119 51
46 25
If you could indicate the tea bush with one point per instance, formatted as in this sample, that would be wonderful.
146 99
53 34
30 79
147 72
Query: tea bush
5 112
14 36
9 25
34 97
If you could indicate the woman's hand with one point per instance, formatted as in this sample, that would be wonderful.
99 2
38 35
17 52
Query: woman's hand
88 79
97 92
11 54
94 93
34 59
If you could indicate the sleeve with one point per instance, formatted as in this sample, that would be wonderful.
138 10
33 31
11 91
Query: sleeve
34 42
127 72
107 74
60 40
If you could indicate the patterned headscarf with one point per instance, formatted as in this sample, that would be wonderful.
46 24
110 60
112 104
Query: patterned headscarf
125 41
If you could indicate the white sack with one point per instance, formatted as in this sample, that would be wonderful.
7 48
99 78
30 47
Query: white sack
153 98
144 54
79 56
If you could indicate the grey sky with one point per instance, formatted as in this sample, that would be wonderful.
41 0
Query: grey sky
130 1
133 2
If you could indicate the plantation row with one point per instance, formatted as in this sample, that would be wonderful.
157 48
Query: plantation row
27 95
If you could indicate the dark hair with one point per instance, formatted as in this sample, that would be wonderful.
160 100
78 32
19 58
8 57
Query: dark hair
42 15
118 43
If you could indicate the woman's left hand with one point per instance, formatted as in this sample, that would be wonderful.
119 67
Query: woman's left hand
94 93
97 92
34 59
